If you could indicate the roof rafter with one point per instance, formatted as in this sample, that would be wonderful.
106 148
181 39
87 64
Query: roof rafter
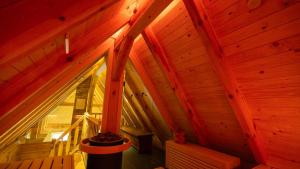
118 57
140 100
36 36
138 65
235 97
138 22
161 57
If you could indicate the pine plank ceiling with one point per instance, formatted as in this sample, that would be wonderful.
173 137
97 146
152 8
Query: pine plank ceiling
260 48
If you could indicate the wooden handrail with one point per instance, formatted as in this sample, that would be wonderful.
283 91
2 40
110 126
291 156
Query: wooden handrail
77 135
74 125
92 119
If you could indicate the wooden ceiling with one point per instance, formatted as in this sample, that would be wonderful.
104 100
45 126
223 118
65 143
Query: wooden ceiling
225 74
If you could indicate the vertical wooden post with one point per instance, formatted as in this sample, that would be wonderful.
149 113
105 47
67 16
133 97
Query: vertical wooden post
113 97
60 148
76 136
68 143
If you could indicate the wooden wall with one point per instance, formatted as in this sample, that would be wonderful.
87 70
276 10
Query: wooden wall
188 57
262 47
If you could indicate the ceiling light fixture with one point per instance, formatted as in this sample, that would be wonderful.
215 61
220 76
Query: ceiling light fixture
67 44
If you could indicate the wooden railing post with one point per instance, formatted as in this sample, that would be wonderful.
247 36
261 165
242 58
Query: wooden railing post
60 148
68 143
76 136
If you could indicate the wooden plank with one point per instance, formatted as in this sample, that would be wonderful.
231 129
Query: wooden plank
61 146
46 86
265 24
35 36
36 164
150 114
14 165
57 162
68 162
25 164
262 167
84 46
161 57
129 95
47 163
3 165
236 99
138 65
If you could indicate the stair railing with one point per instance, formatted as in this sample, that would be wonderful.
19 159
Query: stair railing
89 128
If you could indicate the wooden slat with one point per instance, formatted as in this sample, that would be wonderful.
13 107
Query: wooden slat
145 108
235 97
61 148
25 164
47 163
162 58
153 91
36 164
68 162
57 162
262 167
3 165
83 46
14 165
53 26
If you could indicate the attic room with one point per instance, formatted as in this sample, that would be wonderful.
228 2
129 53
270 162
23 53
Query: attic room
150 84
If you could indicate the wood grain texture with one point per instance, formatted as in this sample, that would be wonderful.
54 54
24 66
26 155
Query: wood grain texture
161 57
261 48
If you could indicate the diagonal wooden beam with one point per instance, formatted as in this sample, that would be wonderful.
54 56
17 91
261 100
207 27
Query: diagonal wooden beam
47 85
129 98
138 65
26 83
161 57
117 59
53 26
235 97
138 22
149 113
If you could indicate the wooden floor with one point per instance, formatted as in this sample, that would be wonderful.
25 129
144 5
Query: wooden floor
133 160
65 162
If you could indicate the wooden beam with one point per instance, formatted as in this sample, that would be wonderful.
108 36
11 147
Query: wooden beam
48 85
94 80
23 86
235 97
153 92
127 106
113 95
121 56
117 59
143 19
138 22
128 94
161 57
145 107
49 28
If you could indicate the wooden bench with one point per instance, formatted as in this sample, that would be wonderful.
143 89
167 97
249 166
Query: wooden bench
141 139
58 162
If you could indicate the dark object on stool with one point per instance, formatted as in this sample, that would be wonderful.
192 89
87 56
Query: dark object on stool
105 161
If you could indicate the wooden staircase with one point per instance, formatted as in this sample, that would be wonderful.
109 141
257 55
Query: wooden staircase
58 162
34 150
57 154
